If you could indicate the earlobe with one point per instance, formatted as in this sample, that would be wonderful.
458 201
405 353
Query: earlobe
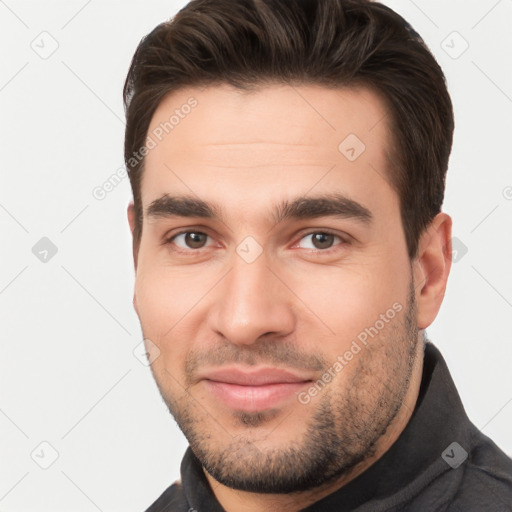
432 267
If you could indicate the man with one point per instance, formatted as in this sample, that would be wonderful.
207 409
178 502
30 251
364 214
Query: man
287 160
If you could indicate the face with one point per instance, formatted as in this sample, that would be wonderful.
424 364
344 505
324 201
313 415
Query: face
273 281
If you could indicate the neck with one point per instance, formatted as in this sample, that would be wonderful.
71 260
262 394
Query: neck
233 500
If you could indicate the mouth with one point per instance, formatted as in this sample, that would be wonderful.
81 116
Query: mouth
255 390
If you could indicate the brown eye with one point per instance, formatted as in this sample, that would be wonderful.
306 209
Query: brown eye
322 240
319 240
190 240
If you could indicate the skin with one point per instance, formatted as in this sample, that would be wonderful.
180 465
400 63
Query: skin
299 305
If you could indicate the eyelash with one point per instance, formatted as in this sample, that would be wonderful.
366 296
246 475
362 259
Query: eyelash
193 252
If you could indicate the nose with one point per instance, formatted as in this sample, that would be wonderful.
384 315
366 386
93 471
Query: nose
250 302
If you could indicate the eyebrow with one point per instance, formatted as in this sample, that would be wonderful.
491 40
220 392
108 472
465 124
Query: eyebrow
329 205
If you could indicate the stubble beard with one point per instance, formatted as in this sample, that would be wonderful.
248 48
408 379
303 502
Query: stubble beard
342 433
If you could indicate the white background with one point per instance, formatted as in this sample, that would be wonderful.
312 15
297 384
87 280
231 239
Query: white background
68 375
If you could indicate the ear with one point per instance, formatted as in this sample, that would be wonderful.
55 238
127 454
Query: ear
131 222
432 267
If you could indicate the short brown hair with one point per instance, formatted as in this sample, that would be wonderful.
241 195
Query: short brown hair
334 43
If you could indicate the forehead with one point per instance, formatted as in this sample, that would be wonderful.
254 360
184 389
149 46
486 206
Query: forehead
311 115
277 137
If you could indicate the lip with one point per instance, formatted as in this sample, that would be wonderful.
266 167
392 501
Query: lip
253 390
253 377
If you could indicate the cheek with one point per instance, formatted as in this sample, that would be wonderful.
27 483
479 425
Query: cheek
343 300
153 299
169 301
159 310
162 300
164 293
